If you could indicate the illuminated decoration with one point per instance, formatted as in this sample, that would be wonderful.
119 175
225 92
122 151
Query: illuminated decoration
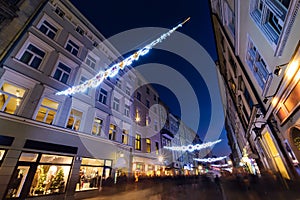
192 148
112 71
224 165
210 160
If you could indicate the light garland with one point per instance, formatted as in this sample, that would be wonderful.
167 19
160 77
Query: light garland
111 72
210 160
192 148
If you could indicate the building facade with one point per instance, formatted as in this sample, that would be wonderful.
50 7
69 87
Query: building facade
257 44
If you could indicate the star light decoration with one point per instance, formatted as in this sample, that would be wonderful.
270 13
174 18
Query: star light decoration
192 148
210 160
112 71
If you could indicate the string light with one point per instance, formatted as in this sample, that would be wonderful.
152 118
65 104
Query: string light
112 71
210 160
192 148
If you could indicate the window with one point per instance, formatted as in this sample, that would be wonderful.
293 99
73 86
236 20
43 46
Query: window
2 153
290 103
90 174
97 126
126 110
127 90
79 30
11 97
269 17
147 103
138 142
74 120
148 145
156 148
32 56
155 126
62 73
138 96
116 104
258 66
59 12
112 132
229 19
90 61
82 80
103 96
72 47
50 176
119 83
154 97
147 90
47 111
147 120
125 136
48 29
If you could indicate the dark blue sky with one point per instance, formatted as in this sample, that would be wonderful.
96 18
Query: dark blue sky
113 17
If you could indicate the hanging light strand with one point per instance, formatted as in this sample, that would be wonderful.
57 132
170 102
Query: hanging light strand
210 160
192 148
112 71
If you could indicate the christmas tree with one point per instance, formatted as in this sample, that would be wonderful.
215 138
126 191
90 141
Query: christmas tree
58 181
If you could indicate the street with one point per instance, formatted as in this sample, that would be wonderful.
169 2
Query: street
199 188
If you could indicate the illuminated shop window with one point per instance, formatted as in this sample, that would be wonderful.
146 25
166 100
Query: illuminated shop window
90 174
74 120
11 97
47 111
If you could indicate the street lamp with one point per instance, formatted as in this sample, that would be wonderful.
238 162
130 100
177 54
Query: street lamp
160 158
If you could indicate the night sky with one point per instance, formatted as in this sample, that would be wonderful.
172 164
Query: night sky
113 17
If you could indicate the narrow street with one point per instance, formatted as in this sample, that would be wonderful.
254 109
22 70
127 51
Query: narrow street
202 188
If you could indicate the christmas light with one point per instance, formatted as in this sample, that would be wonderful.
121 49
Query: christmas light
210 160
112 71
192 148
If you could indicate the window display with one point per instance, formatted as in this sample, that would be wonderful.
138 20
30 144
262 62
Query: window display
17 181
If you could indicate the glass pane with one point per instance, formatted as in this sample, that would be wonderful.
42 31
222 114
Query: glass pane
41 114
2 152
64 78
17 181
50 117
89 161
108 163
36 62
55 159
89 178
12 89
49 103
293 99
57 74
49 179
12 105
26 57
28 157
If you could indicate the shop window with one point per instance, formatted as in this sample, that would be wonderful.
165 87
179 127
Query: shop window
138 142
112 132
97 126
74 120
2 153
11 97
47 111
50 175
90 174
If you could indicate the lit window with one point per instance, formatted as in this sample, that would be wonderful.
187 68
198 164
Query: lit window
74 120
116 104
47 111
112 132
148 145
72 47
137 116
125 136
126 110
103 96
62 72
97 126
11 97
48 29
32 56
90 61
138 142
156 148
257 66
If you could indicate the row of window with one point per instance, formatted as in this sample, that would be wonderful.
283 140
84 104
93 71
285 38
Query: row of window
49 174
